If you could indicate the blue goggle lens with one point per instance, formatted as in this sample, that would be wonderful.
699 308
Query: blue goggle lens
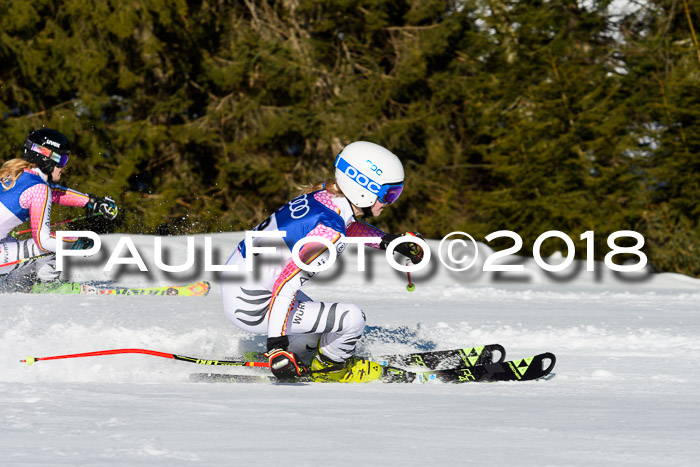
390 193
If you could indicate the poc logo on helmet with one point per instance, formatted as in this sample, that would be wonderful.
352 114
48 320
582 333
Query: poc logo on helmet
361 179
374 167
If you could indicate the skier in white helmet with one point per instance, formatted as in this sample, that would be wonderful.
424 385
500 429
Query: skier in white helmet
368 178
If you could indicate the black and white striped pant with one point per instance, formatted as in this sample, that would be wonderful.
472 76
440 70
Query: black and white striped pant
12 250
332 328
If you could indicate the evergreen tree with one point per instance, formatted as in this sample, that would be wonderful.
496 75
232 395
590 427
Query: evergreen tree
557 130
529 116
663 57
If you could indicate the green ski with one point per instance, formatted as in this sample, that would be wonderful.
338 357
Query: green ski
77 288
525 369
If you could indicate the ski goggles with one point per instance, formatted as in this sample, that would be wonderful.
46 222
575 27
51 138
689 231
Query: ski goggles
390 192
60 159
387 193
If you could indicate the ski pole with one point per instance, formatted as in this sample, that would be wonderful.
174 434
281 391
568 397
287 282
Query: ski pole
26 259
411 286
155 353
200 361
65 221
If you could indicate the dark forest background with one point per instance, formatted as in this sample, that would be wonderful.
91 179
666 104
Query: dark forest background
203 116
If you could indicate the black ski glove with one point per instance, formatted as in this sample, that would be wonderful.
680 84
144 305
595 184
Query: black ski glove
285 365
107 206
410 250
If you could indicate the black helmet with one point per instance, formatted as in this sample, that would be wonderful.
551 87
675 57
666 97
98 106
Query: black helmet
47 149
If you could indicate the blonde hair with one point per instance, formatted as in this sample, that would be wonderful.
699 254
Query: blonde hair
330 185
11 170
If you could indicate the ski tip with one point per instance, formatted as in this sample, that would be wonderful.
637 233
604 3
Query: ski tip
542 366
498 353
552 361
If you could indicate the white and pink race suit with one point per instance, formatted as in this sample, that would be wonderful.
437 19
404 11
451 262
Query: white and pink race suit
270 301
31 198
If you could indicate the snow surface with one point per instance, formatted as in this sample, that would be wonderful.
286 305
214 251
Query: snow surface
624 391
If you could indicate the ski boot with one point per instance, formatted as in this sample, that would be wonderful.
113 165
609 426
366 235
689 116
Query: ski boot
353 370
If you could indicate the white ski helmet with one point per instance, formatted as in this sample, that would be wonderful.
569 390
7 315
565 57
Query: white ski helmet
366 172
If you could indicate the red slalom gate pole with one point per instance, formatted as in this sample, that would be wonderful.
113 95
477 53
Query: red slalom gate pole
155 353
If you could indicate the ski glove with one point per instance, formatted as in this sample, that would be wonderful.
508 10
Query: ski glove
410 250
107 206
83 243
285 365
